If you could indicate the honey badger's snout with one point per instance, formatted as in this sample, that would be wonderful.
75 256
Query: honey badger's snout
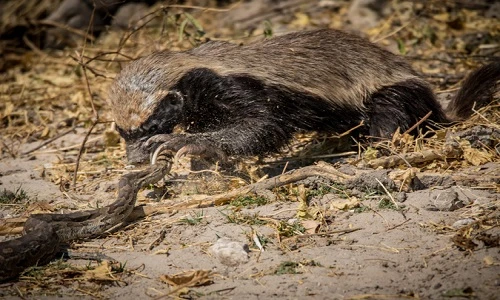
137 152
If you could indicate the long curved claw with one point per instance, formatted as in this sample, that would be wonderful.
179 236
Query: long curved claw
156 153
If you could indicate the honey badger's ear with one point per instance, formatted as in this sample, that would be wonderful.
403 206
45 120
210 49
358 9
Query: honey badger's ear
172 100
175 98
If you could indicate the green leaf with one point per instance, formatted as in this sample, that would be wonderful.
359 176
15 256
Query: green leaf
401 46
182 27
195 23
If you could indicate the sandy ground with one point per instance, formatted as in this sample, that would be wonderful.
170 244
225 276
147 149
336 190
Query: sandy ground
391 255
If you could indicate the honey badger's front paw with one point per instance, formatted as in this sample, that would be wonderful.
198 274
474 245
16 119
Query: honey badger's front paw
164 143
184 144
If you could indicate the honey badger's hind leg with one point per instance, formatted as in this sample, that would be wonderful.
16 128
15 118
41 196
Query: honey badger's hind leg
401 106
478 90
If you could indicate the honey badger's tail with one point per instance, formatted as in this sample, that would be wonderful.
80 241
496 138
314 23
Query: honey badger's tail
477 91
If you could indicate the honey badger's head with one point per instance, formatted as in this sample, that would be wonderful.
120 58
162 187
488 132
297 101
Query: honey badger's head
144 103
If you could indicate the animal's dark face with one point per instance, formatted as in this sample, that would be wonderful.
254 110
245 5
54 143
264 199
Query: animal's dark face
164 118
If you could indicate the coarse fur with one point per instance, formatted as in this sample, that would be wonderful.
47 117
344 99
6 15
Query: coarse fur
247 100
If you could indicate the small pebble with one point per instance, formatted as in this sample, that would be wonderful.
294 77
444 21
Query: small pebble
462 223
230 253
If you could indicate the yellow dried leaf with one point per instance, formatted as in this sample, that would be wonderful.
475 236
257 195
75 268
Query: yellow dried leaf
477 157
407 139
396 136
406 177
101 272
301 20
189 278
344 204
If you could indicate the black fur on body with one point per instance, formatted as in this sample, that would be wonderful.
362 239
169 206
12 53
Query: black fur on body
248 100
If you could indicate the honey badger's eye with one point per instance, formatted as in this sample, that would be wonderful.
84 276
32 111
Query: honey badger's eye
150 127
153 128
173 98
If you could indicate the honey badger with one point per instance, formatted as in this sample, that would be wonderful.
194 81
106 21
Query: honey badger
249 100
